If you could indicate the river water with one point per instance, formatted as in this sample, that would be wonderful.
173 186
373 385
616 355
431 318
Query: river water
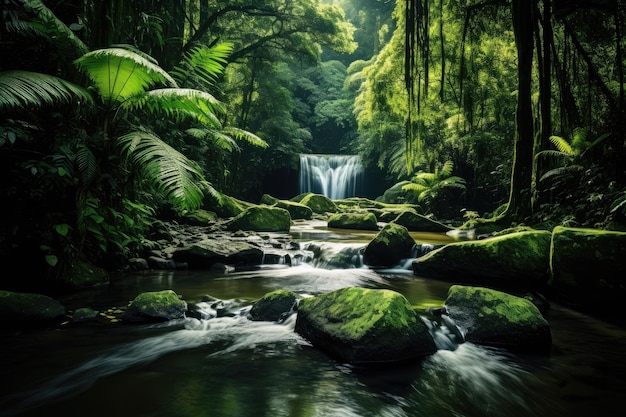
231 366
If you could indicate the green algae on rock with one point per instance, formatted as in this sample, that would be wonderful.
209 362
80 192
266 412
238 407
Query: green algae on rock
495 318
516 260
155 306
359 325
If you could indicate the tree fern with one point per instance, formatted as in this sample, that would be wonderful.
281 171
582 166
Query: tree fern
178 102
119 74
202 65
20 89
179 179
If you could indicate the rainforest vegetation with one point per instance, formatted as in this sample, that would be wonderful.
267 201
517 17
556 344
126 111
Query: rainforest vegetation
114 114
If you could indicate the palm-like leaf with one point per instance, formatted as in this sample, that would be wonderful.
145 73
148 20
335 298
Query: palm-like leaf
178 102
562 145
244 135
119 74
202 65
179 179
32 89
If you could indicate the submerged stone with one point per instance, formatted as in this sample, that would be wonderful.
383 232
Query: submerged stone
494 318
359 325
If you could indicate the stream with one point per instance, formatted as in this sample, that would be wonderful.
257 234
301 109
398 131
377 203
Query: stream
231 366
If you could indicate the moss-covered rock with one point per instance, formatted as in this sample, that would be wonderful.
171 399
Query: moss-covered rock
417 223
81 274
394 194
495 318
358 221
296 210
392 244
19 307
261 219
208 252
224 205
320 204
358 325
588 268
516 260
156 306
199 217
273 306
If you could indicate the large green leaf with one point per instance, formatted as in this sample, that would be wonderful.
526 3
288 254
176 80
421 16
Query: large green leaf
179 179
178 102
20 89
119 73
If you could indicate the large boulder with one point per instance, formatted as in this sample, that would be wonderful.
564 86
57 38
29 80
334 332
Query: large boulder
296 210
418 223
359 325
261 219
392 244
208 252
156 306
588 268
81 274
273 306
19 307
517 260
320 204
357 221
494 318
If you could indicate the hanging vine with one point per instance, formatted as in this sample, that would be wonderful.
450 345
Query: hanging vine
416 65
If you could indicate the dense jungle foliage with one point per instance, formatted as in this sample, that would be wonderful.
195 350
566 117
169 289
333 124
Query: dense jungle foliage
114 113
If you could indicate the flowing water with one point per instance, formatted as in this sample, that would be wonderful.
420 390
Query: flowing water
335 176
230 366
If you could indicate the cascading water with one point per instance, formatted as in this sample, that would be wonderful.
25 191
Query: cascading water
335 176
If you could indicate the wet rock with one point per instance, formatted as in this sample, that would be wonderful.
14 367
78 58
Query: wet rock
155 306
516 260
273 306
318 203
261 219
392 244
28 307
494 318
359 325
589 269
418 223
206 253
358 221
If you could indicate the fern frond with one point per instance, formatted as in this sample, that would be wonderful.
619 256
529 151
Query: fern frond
562 145
244 135
178 102
119 73
87 165
179 179
561 172
446 170
203 64
19 89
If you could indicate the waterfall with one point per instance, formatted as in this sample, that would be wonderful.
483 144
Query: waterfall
335 176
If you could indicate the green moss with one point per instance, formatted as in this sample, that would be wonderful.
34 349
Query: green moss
156 300
350 313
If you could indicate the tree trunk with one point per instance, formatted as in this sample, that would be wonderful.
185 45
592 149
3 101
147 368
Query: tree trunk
519 207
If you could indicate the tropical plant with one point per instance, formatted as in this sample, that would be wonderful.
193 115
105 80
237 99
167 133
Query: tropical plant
428 188
569 154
